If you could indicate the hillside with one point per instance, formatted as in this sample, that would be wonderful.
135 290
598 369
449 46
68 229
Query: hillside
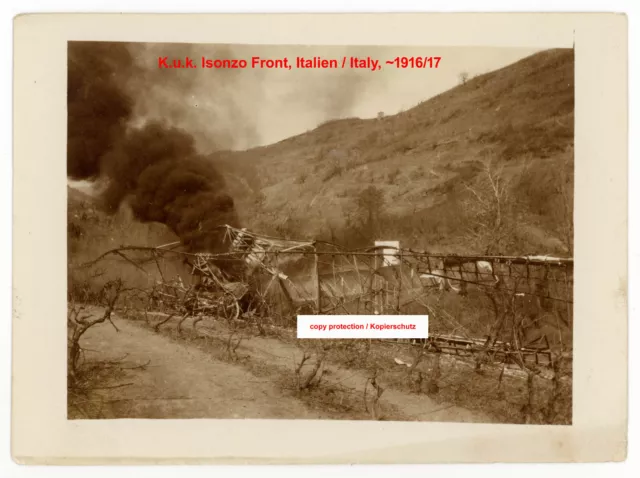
91 232
418 176
519 119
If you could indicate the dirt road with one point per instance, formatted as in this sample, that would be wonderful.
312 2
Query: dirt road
182 380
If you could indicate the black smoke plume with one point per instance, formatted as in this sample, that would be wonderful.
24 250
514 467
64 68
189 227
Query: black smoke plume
155 168
166 181
97 105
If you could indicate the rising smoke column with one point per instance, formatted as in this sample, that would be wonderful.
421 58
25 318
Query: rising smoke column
155 168
97 105
158 169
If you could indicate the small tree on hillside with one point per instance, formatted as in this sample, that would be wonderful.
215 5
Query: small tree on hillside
463 77
369 212
490 212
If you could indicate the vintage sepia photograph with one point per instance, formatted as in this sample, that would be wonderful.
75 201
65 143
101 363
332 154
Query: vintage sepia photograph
217 192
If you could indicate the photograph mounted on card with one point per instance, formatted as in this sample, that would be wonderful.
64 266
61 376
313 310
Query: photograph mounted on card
336 232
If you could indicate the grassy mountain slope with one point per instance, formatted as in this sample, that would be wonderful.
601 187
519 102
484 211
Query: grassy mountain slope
424 161
91 232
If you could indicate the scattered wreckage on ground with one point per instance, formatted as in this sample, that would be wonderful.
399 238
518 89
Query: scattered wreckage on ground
271 280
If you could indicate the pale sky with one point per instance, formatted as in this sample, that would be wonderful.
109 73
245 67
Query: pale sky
239 109
389 90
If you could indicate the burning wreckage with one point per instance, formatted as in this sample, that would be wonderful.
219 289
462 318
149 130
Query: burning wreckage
268 281
246 282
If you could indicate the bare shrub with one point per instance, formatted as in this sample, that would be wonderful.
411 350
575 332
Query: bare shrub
80 320
372 405
232 343
490 210
415 376
528 408
433 387
85 380
310 380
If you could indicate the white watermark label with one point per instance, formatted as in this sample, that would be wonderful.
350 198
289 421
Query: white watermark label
363 326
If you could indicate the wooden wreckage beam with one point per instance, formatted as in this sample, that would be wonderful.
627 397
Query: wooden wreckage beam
498 351
265 253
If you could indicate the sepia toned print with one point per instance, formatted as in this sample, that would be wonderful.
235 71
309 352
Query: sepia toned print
211 203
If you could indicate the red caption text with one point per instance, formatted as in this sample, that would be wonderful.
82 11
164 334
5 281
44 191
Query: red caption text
299 62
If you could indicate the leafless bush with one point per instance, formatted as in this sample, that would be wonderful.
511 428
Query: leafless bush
490 210
372 405
528 408
80 320
415 376
172 299
313 378
416 379
232 343
433 387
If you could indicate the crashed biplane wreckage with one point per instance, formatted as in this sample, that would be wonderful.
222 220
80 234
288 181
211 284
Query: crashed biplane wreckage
255 274
279 271
258 277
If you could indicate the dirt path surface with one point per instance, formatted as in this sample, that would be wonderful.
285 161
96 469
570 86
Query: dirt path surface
182 380
412 406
